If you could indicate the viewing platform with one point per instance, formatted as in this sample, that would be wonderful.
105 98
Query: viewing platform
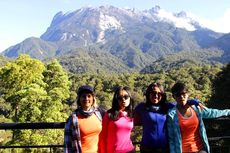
218 131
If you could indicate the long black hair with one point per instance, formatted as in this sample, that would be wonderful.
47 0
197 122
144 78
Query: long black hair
162 102
114 111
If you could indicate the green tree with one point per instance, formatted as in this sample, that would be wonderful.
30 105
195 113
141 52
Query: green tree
221 89
36 93
58 89
17 77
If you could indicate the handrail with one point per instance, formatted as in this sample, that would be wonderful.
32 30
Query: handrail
61 125
34 146
35 125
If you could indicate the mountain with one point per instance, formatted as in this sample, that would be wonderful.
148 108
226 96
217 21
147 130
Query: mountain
130 38
93 61
223 44
35 47
181 59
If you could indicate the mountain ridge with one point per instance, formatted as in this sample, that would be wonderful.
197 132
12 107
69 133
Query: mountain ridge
136 38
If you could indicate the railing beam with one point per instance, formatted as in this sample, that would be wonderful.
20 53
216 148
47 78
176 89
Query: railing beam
37 125
60 125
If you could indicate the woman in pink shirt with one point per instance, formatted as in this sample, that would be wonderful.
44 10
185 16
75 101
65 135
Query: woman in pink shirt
117 124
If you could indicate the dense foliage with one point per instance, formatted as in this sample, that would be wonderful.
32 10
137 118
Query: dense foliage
34 92
198 78
221 87
31 91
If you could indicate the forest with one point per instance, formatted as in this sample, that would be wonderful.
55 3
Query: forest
36 91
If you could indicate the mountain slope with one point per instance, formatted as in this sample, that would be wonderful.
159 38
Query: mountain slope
35 47
93 61
200 57
130 38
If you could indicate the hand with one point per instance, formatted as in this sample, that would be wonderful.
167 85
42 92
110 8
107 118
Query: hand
195 102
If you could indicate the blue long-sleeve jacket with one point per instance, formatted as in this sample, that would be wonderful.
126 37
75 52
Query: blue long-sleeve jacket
154 126
175 142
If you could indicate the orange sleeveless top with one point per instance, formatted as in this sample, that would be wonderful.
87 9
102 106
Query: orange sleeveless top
189 127
90 129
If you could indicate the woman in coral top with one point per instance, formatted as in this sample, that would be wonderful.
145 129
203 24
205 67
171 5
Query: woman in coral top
83 127
117 124
185 125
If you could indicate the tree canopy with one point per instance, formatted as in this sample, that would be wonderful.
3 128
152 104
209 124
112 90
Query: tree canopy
221 88
34 91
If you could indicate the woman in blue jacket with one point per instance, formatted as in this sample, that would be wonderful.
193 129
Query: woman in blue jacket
186 129
151 115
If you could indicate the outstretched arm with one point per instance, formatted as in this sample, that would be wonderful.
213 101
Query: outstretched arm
214 113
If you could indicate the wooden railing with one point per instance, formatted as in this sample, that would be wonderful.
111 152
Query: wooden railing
218 131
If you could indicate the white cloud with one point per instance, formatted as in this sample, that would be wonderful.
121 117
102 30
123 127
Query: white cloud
179 22
221 24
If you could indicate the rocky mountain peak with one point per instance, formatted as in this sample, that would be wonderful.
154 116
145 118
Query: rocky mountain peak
135 37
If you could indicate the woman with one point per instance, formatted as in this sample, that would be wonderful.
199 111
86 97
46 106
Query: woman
151 115
117 124
185 125
84 124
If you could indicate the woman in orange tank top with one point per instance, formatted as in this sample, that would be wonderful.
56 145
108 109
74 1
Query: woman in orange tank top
84 125
185 125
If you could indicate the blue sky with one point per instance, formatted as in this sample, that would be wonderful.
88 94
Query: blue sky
20 19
